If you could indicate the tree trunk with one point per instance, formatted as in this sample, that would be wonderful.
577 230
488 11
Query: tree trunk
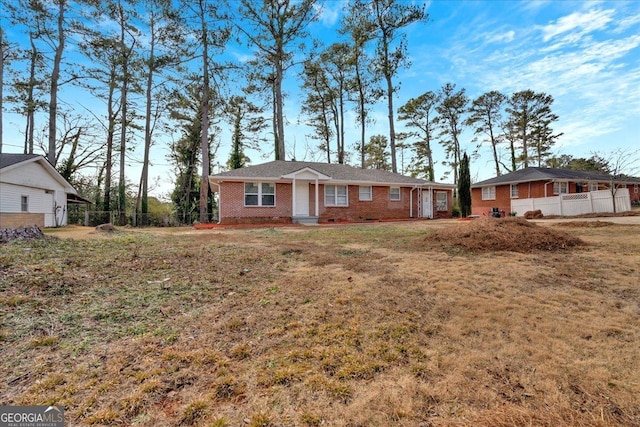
55 76
122 205
2 58
525 125
281 155
392 130
363 124
106 207
204 141
143 203
276 146
31 105
341 130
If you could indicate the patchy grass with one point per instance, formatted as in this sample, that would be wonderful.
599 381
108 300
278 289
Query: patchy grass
342 326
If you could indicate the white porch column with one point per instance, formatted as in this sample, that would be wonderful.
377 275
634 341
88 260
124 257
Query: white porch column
293 197
317 198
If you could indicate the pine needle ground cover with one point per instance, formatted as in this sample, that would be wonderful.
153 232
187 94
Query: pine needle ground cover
370 325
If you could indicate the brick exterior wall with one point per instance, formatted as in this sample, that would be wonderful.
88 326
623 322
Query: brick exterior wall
379 207
20 220
634 192
233 211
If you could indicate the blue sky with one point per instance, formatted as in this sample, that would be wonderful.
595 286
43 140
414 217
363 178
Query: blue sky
585 54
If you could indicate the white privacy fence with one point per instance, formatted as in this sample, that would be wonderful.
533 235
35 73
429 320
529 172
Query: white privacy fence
575 204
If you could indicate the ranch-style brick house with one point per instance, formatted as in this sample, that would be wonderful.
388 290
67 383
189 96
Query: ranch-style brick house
32 192
507 191
308 192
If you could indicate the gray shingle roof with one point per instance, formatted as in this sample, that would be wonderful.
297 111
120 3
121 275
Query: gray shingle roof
276 169
540 174
8 159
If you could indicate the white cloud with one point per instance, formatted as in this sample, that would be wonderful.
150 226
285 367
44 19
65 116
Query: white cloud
578 24
502 37
330 12
626 23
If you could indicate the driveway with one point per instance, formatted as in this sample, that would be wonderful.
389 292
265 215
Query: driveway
628 220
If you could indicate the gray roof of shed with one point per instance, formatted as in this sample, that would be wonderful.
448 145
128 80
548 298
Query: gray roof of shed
541 174
9 159
276 169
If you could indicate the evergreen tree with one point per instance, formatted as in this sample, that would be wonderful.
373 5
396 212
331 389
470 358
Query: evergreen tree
452 106
485 116
248 123
464 187
419 113
273 26
387 19
376 153
529 126
185 154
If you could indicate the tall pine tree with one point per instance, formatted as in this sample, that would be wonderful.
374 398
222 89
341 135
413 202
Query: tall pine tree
464 187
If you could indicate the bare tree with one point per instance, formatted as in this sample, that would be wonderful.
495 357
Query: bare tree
623 166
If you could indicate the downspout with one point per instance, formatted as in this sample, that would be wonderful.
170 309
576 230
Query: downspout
545 187
219 201
431 215
317 213
411 202
293 198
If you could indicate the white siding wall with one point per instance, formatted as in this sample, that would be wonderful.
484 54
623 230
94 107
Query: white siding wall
43 190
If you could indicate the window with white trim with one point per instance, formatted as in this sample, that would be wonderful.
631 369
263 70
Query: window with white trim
593 186
24 203
560 188
394 193
442 201
514 191
489 193
365 193
635 188
259 194
336 195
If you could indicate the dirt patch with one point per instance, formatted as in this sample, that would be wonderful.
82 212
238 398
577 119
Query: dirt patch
583 224
508 234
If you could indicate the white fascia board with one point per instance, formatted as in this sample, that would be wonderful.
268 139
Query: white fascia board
317 174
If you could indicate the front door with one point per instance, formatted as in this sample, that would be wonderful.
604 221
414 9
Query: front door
427 208
302 198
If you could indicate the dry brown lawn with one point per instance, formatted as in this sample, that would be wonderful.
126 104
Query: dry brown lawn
362 325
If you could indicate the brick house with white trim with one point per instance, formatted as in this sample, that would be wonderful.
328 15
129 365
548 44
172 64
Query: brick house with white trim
310 192
537 182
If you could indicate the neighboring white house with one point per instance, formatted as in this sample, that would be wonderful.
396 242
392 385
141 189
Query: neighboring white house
32 192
